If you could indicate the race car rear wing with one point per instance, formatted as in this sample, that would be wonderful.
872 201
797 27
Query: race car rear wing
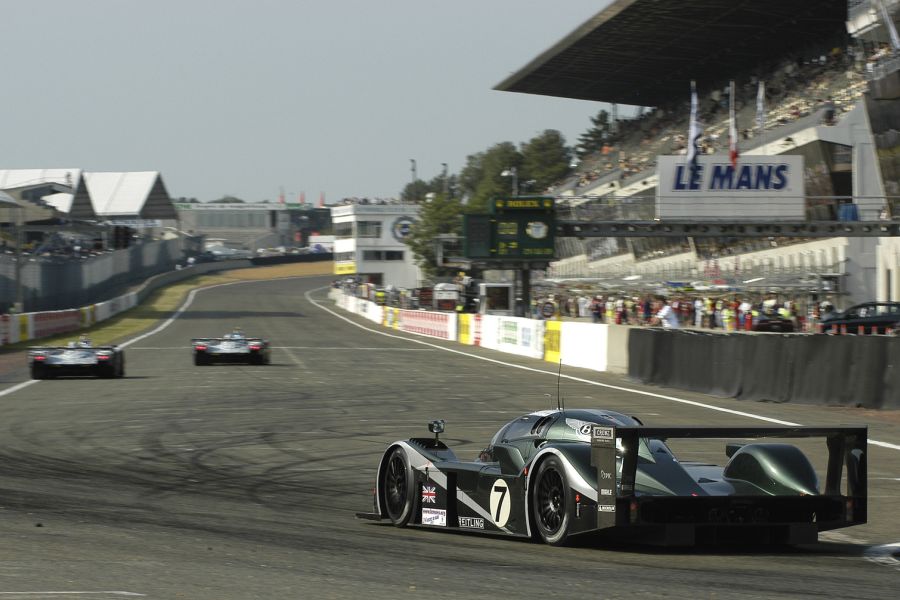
46 348
221 339
616 490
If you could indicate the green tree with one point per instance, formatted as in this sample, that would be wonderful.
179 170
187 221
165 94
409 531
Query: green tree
228 200
441 215
592 140
545 160
492 184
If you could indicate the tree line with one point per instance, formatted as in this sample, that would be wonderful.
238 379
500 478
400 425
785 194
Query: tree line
538 164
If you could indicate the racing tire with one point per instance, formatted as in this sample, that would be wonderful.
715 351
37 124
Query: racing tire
551 503
397 488
200 360
38 373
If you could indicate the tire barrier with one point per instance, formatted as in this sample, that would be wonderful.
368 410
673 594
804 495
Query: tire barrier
858 371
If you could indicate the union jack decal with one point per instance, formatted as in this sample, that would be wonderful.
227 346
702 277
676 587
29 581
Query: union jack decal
429 496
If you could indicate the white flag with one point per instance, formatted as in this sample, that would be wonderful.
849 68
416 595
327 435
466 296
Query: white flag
695 132
732 127
761 107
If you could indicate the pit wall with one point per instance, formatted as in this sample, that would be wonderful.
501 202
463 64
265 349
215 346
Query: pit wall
591 346
845 370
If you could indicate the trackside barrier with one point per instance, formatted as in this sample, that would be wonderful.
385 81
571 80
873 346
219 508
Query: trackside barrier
464 322
432 324
29 326
515 335
552 341
586 345
849 370
45 324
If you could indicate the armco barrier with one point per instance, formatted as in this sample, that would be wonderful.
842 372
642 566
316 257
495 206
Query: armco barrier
4 329
859 371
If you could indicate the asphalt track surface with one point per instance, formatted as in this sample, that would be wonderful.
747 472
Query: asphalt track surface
238 482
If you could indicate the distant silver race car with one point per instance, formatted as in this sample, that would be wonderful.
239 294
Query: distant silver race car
232 347
78 358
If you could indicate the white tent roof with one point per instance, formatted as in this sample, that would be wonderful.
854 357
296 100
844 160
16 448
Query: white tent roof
120 193
77 203
139 194
11 178
61 201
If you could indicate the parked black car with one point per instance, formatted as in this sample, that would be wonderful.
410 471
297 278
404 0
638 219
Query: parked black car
874 317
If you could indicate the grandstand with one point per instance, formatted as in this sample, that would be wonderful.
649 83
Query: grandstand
252 226
831 95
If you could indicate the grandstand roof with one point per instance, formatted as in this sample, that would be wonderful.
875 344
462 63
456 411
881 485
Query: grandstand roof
646 52
133 195
76 204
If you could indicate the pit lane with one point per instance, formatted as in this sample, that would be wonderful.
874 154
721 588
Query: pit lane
240 481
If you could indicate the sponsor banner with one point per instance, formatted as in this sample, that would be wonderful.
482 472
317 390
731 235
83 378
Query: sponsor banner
344 267
58 321
4 329
424 322
26 327
517 335
756 188
434 516
465 329
471 522
136 223
552 334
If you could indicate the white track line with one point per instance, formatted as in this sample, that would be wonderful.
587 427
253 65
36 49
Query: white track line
579 379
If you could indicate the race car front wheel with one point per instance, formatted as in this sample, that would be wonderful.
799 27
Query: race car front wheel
550 502
397 486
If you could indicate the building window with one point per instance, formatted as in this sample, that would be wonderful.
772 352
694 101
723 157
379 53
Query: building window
382 254
368 229
343 230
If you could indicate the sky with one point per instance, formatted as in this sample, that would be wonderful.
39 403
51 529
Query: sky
251 97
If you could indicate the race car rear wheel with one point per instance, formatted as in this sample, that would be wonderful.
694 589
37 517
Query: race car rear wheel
200 360
38 372
397 486
550 502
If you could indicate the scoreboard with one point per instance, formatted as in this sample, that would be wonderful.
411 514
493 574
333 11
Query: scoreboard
520 228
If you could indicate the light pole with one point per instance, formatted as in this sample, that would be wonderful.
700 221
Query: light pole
446 182
412 189
512 172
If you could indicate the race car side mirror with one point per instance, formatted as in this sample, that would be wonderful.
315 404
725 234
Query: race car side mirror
731 448
437 428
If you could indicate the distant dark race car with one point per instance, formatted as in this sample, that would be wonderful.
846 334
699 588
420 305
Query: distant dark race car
232 347
555 474
79 358
772 322
871 317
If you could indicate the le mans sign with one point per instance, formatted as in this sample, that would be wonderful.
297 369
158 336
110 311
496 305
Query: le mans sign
758 187
525 228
